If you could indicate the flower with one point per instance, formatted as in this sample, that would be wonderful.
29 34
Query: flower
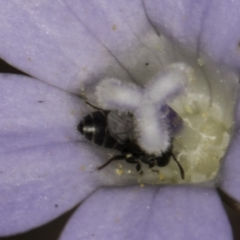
45 169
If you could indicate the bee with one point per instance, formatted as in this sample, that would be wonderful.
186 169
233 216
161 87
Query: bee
97 128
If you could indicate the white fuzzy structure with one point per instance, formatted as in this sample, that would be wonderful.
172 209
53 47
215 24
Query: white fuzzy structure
167 84
153 132
113 94
152 129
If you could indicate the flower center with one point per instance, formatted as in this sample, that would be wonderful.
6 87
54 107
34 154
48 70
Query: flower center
198 147
203 141
193 154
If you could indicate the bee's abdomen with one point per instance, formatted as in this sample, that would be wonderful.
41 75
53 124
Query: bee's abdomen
94 127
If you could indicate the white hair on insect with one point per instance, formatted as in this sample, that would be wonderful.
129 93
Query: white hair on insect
113 94
152 130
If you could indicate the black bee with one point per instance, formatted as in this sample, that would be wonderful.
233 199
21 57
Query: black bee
95 127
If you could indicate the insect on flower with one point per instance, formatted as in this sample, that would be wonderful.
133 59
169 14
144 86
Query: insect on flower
96 128
149 139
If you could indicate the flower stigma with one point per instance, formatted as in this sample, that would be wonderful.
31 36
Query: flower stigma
180 125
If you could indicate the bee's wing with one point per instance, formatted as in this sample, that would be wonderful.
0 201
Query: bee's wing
175 122
120 125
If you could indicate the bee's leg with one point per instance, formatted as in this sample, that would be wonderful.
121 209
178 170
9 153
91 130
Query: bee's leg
116 157
151 164
179 166
139 168
131 160
156 171
136 161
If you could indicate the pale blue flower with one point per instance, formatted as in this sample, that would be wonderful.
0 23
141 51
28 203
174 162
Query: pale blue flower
46 168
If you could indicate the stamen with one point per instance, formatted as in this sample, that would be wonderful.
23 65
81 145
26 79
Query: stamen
113 94
152 130
166 85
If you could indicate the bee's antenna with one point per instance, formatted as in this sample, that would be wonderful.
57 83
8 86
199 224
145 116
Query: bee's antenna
117 157
180 167
91 105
